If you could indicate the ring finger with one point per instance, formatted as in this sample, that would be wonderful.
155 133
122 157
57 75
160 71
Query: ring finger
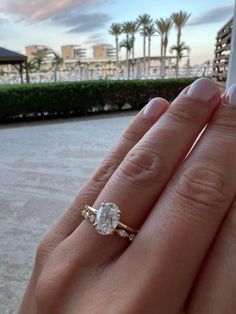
142 175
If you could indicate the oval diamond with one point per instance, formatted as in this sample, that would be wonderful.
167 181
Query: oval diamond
107 218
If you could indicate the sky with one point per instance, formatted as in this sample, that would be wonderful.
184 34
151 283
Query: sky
86 22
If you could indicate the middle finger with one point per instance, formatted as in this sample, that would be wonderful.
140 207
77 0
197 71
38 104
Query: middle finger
139 180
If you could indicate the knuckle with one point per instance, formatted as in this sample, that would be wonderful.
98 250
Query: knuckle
107 168
202 187
142 166
130 135
181 113
42 249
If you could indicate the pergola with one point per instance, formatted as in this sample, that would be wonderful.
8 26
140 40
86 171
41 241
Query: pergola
15 59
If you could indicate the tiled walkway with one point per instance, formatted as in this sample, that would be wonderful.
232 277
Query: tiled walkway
42 167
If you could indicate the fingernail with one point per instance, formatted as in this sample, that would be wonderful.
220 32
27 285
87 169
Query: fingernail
203 89
231 96
154 108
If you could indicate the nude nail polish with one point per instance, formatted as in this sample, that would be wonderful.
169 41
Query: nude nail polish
154 108
203 89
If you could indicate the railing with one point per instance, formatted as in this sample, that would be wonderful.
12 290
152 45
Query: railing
222 53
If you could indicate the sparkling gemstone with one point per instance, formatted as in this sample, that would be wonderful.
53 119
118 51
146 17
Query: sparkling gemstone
131 237
107 218
122 233
92 218
85 214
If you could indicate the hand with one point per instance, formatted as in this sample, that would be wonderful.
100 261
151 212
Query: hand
181 199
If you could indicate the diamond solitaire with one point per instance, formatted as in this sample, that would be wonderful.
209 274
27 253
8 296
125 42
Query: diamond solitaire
106 220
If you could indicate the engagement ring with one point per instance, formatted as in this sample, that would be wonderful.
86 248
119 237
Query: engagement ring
106 221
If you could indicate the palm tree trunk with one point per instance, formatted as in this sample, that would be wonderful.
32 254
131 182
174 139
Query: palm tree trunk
177 57
27 75
117 50
161 68
177 66
55 75
144 55
127 54
149 55
164 62
127 63
133 38
165 43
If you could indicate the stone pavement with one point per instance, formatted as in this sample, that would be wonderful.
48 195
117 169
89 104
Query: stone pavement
42 167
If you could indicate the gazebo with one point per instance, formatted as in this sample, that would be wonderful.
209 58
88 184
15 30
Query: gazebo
16 59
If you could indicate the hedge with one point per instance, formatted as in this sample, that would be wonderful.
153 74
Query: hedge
40 101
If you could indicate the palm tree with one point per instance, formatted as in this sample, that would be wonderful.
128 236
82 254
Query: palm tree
116 30
133 29
39 58
163 28
80 65
160 24
143 21
57 61
127 29
179 19
179 50
150 31
29 67
128 44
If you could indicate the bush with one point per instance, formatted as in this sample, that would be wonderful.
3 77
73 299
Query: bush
38 101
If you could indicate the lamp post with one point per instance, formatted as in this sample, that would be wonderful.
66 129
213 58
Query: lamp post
231 77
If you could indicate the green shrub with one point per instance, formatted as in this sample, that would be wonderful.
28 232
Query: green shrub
37 101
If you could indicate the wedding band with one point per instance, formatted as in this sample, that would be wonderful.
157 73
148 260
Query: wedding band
106 221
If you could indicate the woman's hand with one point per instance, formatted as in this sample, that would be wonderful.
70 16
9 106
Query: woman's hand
182 258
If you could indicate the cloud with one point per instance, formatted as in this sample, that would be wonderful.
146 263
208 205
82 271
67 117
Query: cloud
3 21
41 10
83 23
94 39
219 14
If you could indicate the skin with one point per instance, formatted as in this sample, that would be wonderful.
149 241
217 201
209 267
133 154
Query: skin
182 200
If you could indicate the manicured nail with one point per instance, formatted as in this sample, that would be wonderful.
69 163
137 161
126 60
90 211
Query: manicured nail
203 89
154 108
231 96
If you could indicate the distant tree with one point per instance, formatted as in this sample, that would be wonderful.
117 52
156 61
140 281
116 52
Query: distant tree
29 67
80 65
128 44
144 21
179 19
116 30
163 28
127 30
57 62
39 58
130 29
150 32
179 50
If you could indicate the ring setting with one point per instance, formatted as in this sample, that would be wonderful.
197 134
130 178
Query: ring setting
106 221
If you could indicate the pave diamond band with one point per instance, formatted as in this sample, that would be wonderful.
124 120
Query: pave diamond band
106 221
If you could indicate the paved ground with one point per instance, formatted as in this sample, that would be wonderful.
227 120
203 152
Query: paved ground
42 168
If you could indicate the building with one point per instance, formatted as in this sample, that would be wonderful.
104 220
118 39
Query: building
222 53
8 57
33 49
73 52
103 52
